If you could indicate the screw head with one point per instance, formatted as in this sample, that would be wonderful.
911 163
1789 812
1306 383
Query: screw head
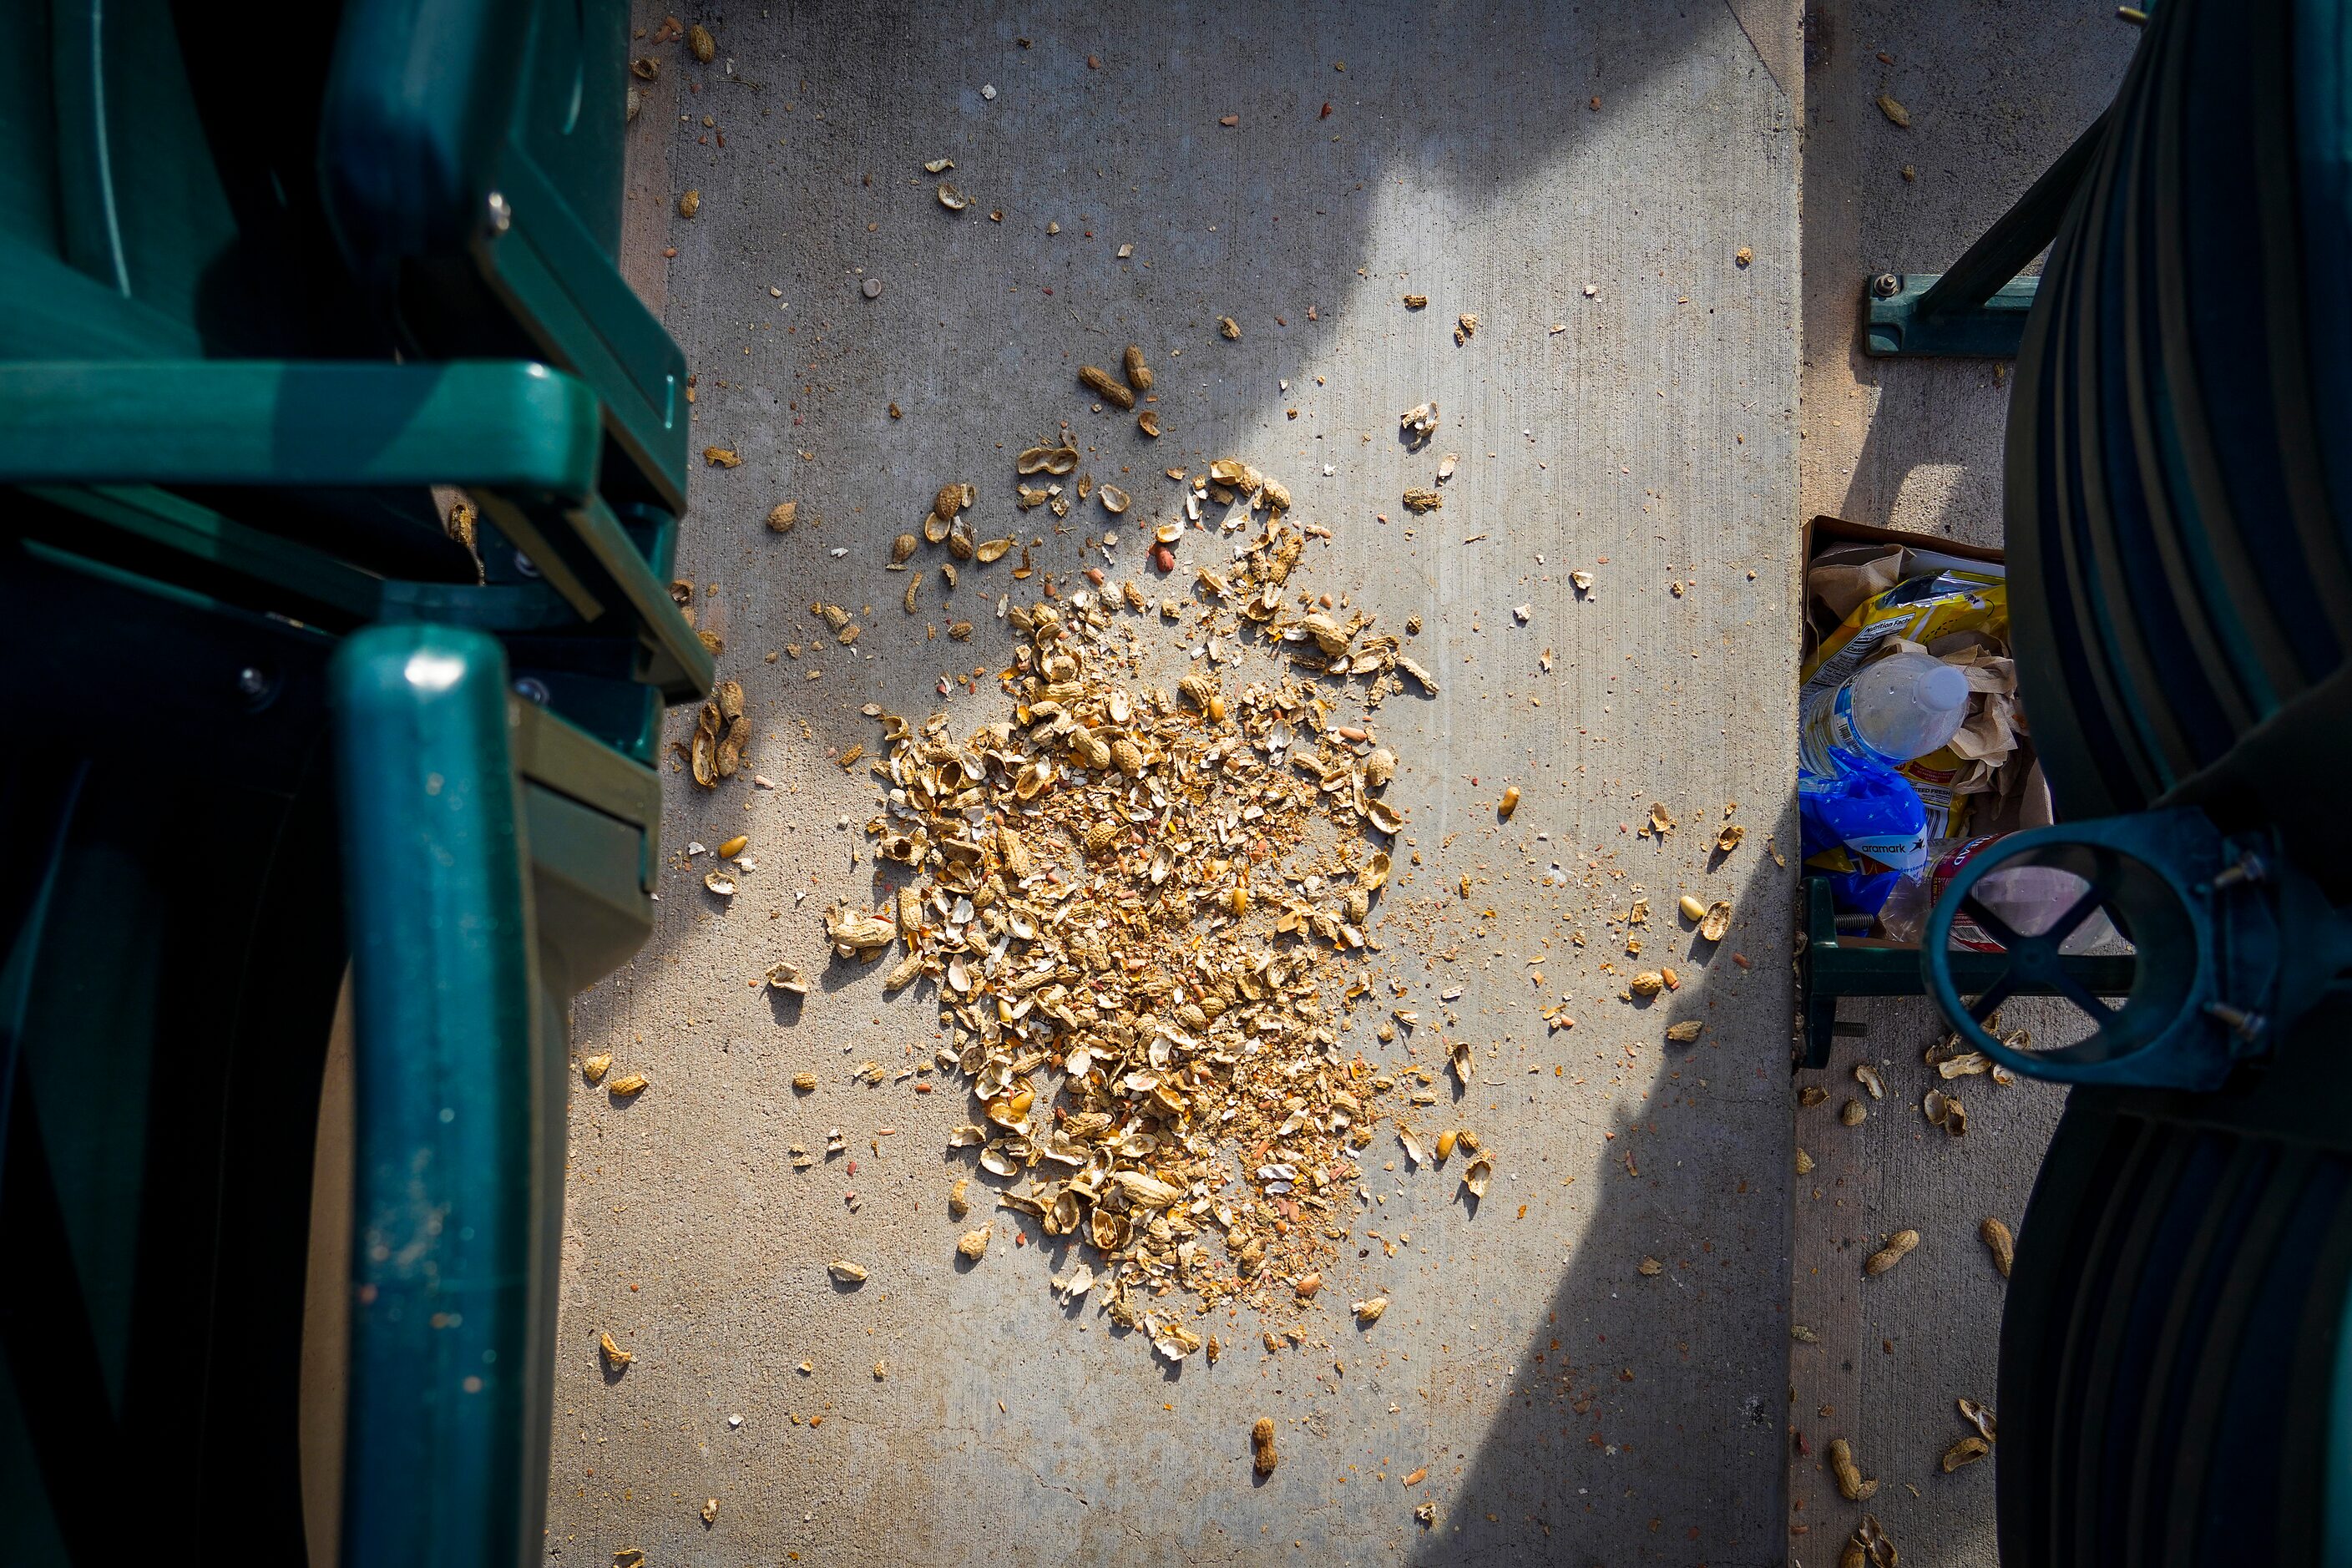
532 690
499 216
522 564
1886 285
252 682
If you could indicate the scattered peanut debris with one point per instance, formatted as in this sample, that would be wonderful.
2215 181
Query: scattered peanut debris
1870 1547
1107 387
689 203
1979 1417
1418 498
1893 110
1465 327
1368 1312
1228 327
1867 1076
615 1358
1944 1111
973 1244
1898 1248
1262 1458
721 731
1416 302
1107 873
783 516
1649 1268
722 457
1967 1450
1853 1113
593 1067
1850 1482
700 44
626 1086
846 1272
1999 1243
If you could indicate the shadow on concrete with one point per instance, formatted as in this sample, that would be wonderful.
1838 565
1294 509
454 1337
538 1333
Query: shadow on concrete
1644 1423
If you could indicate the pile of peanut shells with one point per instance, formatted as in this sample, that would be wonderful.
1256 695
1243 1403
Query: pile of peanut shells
1147 917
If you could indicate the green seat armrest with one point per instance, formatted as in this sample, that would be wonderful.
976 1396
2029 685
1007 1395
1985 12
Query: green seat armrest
525 439
447 1388
508 424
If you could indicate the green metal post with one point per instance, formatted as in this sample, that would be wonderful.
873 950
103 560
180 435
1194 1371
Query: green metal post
447 1392
1977 308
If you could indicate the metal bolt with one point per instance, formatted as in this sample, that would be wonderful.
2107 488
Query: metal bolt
2245 868
2247 1026
2132 14
522 564
1886 285
501 217
252 682
532 690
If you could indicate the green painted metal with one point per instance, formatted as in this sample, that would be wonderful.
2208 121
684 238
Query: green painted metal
524 439
1834 965
561 758
235 358
1896 327
2176 1379
581 550
1977 308
480 146
445 1393
2233 945
511 425
217 481
585 850
159 1055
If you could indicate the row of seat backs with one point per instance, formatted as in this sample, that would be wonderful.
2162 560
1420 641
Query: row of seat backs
423 179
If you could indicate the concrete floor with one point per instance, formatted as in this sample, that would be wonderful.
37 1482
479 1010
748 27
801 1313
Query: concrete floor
1994 93
1500 159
